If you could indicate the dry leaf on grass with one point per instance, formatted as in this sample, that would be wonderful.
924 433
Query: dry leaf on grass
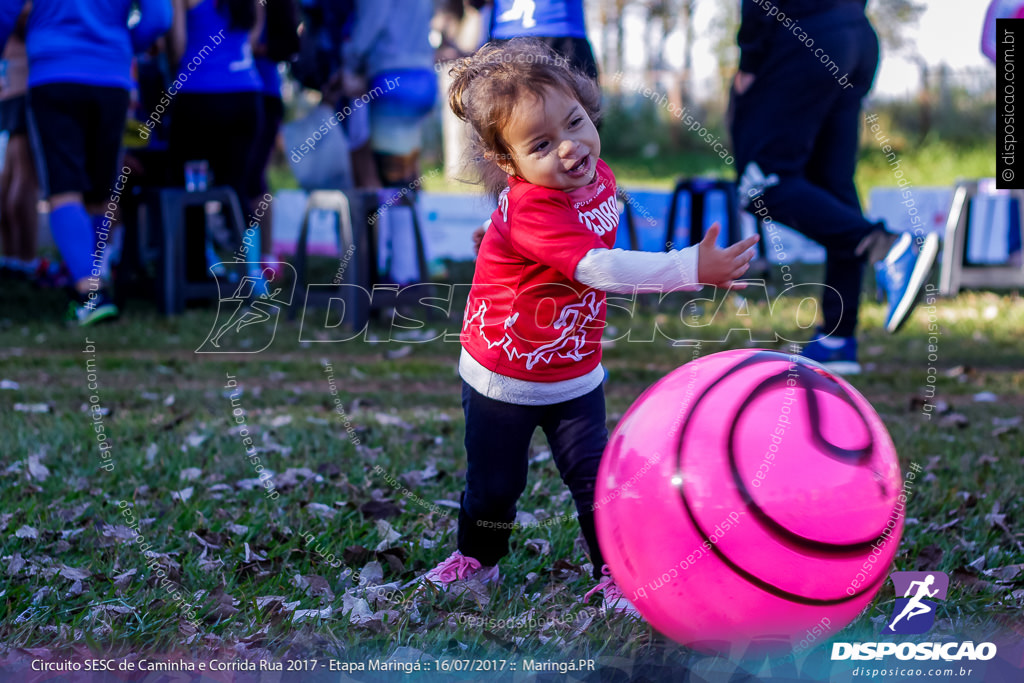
117 531
32 407
302 615
392 421
36 469
357 609
1006 574
190 474
27 532
125 579
224 605
320 510
379 509
15 564
253 556
371 574
194 440
954 420
111 609
538 546
313 585
74 573
183 495
388 534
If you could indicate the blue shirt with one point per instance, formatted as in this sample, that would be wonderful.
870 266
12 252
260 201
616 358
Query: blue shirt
85 41
217 59
269 76
548 18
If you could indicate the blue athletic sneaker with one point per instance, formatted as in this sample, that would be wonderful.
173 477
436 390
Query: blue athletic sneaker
836 354
902 274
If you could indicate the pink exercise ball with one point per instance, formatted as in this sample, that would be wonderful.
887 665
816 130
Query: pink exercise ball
750 499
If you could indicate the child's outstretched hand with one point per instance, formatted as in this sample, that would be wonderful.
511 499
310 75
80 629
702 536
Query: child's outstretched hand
720 267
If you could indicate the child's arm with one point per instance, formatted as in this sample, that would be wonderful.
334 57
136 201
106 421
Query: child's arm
618 270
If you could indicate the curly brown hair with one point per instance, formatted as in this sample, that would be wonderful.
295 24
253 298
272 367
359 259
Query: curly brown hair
487 86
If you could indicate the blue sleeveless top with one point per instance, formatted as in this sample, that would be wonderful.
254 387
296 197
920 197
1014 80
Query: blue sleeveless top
549 18
217 59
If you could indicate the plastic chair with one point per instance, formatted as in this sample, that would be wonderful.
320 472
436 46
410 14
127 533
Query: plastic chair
627 215
698 190
162 239
349 234
354 229
956 272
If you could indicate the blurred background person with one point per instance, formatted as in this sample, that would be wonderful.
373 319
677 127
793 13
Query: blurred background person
558 23
218 110
278 41
796 128
19 188
388 58
79 58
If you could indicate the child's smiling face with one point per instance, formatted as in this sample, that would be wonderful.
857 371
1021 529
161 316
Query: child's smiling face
553 142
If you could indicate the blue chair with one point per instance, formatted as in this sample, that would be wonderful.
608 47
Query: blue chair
699 190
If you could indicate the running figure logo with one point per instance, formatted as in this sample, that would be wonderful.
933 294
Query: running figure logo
914 612
256 300
521 10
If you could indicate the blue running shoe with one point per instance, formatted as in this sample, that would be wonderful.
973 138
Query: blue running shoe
902 274
836 354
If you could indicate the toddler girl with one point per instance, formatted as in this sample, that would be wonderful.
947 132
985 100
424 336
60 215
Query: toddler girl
531 335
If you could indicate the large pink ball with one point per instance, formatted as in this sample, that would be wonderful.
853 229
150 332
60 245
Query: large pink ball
750 499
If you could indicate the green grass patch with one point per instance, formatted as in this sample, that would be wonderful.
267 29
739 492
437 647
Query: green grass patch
278 575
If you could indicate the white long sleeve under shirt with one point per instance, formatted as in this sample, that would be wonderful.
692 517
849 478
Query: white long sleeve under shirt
609 270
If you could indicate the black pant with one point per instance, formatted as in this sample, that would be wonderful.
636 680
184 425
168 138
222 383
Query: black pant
76 131
220 128
498 438
799 120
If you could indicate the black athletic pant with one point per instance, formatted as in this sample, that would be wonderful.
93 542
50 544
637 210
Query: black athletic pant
801 120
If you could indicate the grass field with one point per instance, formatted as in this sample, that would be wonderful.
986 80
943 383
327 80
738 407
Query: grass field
370 493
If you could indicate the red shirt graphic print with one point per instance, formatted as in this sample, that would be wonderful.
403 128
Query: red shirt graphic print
527 317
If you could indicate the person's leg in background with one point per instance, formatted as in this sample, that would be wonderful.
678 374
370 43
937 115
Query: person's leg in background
108 180
76 132
266 141
832 165
365 174
396 122
798 126
19 190
218 128
21 198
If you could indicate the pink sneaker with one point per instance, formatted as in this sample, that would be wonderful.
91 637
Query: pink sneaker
458 567
614 600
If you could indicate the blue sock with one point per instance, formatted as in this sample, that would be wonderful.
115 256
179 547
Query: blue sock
103 229
74 236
